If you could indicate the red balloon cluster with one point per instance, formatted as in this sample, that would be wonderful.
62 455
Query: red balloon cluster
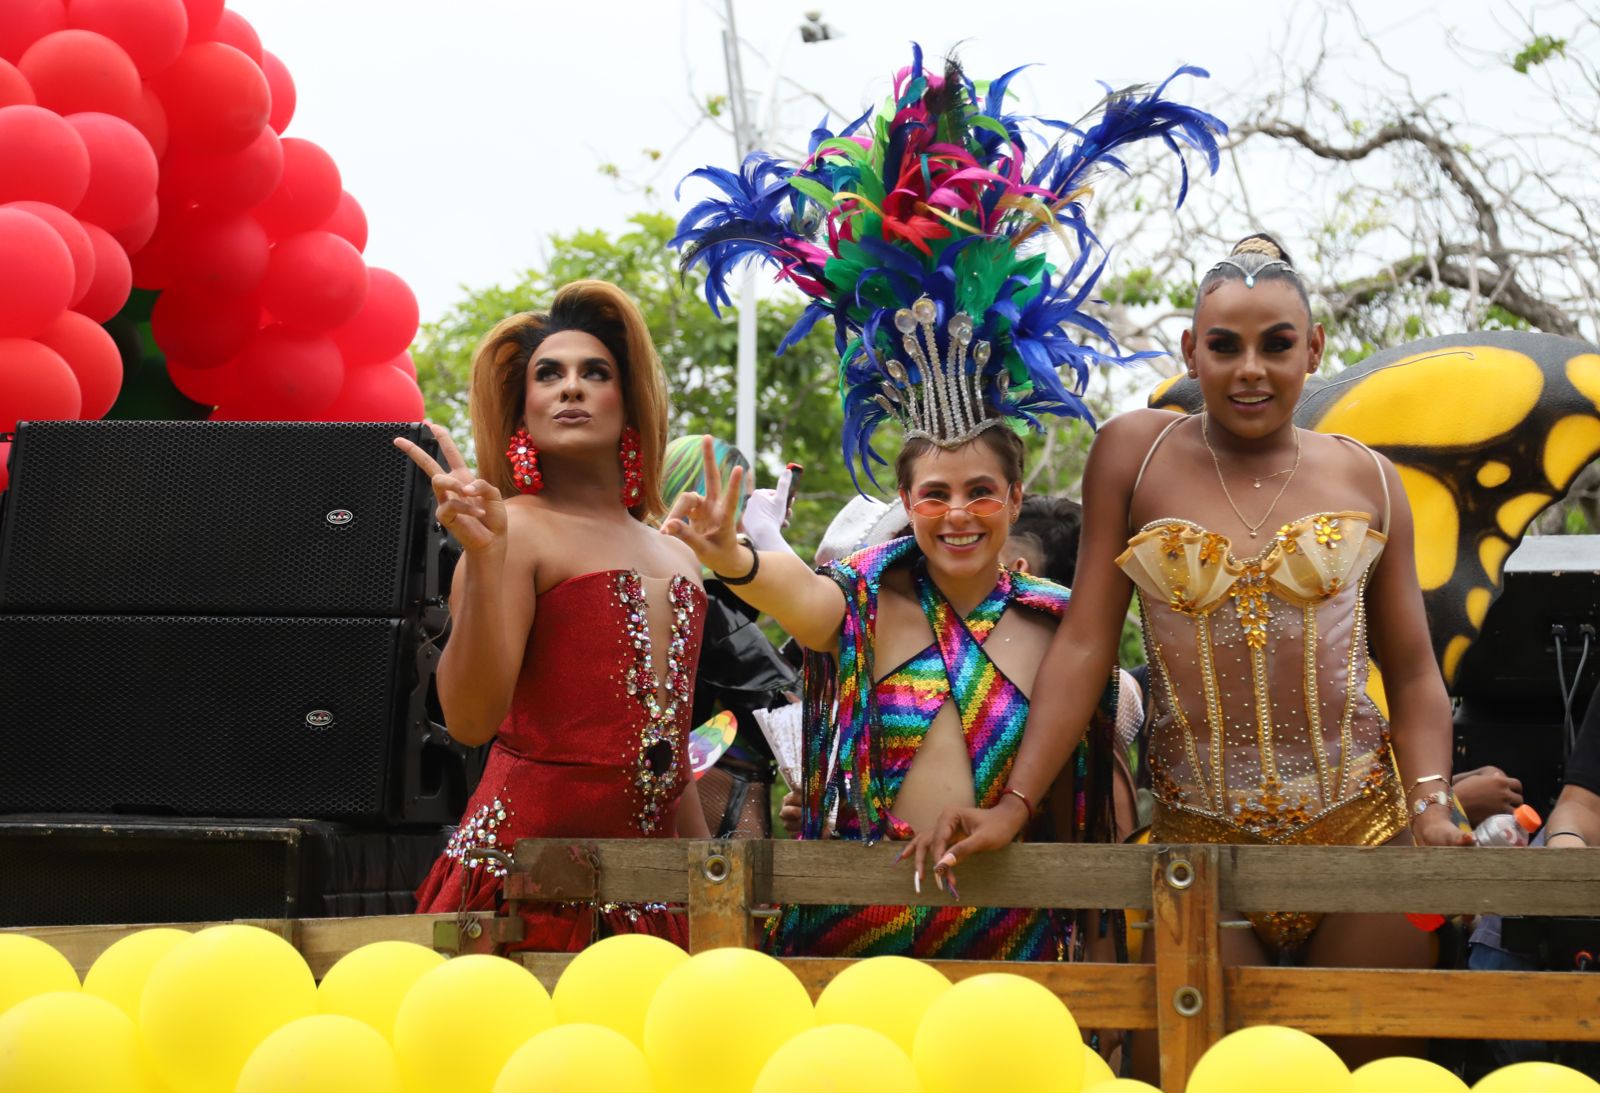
140 144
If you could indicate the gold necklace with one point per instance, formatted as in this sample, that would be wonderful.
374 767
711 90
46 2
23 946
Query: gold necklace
1254 529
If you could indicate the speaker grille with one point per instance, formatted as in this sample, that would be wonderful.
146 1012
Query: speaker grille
210 518
210 716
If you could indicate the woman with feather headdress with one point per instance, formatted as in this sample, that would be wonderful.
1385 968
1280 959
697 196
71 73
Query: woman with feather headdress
918 230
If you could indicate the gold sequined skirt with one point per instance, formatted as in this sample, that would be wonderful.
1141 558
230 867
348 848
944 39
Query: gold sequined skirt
1371 819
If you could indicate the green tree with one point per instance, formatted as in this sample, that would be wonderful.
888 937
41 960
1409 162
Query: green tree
797 404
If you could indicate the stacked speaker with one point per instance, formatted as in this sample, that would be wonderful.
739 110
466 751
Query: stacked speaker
222 620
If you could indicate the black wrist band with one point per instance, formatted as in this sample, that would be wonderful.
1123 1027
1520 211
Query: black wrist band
1575 834
755 567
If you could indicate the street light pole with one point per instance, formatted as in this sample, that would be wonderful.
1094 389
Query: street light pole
744 143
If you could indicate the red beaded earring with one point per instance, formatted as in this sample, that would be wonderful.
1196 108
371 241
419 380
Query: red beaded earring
632 468
524 459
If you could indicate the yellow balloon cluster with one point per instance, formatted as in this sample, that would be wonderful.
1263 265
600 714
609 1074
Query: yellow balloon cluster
234 1009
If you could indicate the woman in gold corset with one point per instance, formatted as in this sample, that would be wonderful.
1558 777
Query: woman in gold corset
1266 560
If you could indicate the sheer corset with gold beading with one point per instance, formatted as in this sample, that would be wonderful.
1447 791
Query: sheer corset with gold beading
1260 717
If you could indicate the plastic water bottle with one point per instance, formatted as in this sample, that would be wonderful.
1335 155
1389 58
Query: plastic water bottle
1508 828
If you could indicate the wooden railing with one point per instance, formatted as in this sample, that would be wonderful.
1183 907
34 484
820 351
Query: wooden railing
1184 993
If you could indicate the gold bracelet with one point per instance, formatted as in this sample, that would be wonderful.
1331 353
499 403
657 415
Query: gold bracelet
1425 778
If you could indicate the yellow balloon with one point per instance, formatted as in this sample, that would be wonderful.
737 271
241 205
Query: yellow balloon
998 1031
368 983
887 993
324 1053
118 975
1404 1074
211 999
577 1058
1536 1078
1095 1069
460 1022
839 1059
68 1040
612 981
717 1017
1122 1085
1266 1059
28 967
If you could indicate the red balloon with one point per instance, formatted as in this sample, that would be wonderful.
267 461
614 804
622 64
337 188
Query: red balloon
14 87
288 375
224 253
93 358
151 119
74 236
207 386
203 329
151 31
36 274
73 71
377 394
234 30
384 326
400 362
45 158
150 266
308 193
203 16
348 221
26 21
235 182
315 281
112 277
122 171
133 235
283 96
35 385
216 98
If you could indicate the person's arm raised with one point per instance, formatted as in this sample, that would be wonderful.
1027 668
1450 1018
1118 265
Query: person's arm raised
1419 708
807 605
1076 667
489 622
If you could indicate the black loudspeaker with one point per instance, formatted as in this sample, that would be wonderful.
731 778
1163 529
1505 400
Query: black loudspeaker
79 871
222 619
216 518
1512 714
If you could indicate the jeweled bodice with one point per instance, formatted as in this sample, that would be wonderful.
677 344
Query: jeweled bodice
1259 669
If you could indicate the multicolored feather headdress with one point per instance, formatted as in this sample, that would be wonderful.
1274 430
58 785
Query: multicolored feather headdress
912 229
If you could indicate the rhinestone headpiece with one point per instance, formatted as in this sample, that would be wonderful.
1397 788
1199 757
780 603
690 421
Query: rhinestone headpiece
944 401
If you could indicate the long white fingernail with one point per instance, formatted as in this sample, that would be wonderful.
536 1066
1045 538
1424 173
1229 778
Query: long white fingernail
916 881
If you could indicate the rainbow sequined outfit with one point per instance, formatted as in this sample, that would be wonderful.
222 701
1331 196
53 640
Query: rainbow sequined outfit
875 731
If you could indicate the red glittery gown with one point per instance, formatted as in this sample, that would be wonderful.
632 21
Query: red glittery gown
591 748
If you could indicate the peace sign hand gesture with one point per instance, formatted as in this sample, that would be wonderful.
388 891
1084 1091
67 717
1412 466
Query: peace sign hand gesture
706 523
470 507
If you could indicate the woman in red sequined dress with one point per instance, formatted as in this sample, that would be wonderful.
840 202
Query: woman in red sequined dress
575 623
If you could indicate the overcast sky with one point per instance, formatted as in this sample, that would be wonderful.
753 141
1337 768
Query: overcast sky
470 131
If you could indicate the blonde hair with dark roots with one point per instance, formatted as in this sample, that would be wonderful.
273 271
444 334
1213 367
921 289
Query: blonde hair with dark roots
500 371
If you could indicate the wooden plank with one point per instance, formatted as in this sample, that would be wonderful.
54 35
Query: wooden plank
1442 880
1113 996
1467 1005
1018 876
321 940
1252 878
1099 995
1189 1001
722 881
